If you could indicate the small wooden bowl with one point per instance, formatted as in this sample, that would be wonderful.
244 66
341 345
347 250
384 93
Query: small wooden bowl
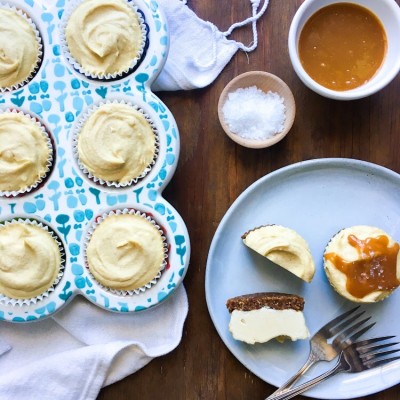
265 82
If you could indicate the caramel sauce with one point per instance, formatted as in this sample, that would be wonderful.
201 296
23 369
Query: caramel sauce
374 270
342 46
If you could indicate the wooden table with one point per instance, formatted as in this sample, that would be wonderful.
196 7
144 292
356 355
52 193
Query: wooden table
213 171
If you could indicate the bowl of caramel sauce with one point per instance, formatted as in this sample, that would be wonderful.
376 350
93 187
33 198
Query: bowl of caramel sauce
346 50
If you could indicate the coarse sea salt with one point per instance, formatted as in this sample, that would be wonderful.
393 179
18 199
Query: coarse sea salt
253 114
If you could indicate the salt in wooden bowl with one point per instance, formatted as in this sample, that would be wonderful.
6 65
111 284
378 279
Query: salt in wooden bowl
265 82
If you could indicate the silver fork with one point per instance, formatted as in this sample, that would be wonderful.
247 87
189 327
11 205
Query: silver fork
356 357
322 348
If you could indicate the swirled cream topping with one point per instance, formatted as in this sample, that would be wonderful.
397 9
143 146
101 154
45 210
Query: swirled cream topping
23 152
362 263
19 48
30 260
284 247
104 36
125 252
116 143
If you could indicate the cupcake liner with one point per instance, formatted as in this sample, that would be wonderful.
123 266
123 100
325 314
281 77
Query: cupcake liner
70 8
20 302
254 229
75 135
50 160
89 234
39 60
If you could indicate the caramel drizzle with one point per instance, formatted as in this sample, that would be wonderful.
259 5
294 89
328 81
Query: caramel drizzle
375 269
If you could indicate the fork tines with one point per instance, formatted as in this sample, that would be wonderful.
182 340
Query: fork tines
330 327
350 335
342 321
372 355
344 328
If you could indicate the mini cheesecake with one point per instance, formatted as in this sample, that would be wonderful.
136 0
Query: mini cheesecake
284 247
260 317
362 263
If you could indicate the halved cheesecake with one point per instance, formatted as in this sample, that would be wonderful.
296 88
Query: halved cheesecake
284 247
260 317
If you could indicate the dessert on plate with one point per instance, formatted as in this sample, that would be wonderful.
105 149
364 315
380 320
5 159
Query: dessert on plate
284 247
260 317
362 263
126 251
30 261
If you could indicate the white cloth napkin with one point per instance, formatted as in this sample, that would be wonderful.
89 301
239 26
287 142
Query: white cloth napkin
198 50
83 348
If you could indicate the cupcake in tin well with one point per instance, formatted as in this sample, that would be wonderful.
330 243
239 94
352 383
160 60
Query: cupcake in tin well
31 262
26 153
20 48
103 39
362 264
126 251
116 144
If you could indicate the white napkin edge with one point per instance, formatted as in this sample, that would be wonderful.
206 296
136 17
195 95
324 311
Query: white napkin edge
89 367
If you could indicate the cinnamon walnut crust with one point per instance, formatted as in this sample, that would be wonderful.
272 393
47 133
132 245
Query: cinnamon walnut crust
276 301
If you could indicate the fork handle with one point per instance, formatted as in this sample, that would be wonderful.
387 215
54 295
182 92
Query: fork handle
288 394
288 384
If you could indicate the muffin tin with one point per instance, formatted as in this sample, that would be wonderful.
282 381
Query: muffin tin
68 201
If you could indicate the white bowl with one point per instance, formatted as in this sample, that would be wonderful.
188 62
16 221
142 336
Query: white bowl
389 14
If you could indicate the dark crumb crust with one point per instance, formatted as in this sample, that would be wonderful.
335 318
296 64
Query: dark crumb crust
254 229
276 301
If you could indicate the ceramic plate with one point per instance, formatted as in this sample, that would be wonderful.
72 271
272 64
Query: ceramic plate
316 198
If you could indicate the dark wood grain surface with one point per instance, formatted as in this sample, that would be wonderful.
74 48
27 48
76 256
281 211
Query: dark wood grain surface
213 171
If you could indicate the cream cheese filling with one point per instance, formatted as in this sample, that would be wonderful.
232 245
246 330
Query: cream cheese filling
284 247
116 143
104 36
19 48
24 152
125 252
264 324
30 260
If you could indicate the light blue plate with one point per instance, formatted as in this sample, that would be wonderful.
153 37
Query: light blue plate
316 198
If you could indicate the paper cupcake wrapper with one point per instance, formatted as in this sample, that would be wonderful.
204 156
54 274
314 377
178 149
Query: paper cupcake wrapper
49 164
21 302
40 49
148 285
75 135
254 229
69 9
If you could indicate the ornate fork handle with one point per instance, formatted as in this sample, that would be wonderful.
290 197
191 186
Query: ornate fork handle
312 359
289 393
